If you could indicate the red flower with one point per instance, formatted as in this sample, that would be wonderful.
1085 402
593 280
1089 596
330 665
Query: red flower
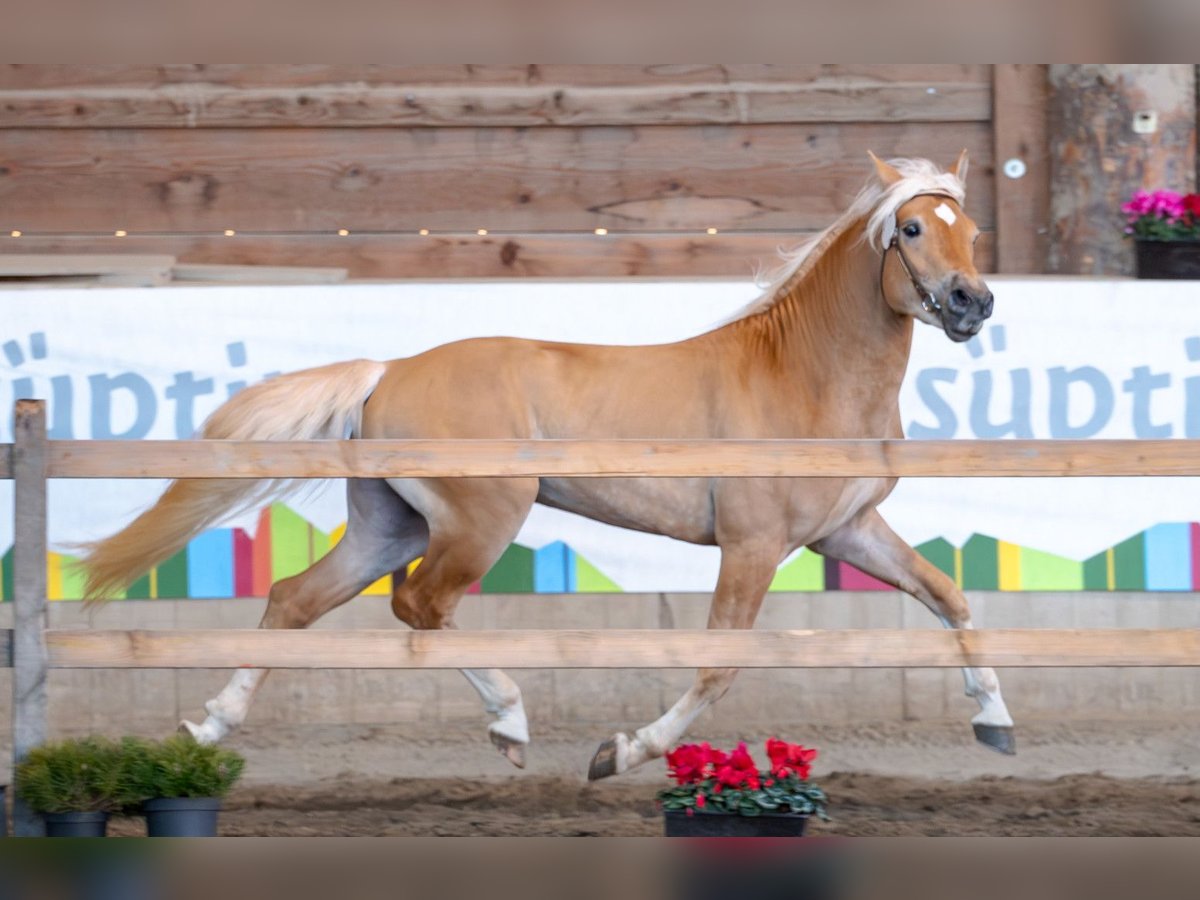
693 763
739 770
700 801
688 763
789 758
1191 203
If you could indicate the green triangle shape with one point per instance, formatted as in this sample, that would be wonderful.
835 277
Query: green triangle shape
804 573
590 580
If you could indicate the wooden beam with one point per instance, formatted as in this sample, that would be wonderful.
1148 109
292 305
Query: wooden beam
1022 167
204 105
36 76
642 178
29 594
523 255
607 458
244 274
621 649
127 269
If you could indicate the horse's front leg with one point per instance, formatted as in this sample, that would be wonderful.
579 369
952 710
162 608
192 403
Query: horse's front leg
868 543
746 571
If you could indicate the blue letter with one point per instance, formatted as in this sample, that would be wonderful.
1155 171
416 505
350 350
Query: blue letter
1142 384
1060 400
981 400
947 422
103 387
184 391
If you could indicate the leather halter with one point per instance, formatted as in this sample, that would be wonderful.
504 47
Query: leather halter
929 303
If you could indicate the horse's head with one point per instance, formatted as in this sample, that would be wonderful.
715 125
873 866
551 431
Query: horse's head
928 268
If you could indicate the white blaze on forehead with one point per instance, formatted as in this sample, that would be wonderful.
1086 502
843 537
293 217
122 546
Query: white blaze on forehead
945 213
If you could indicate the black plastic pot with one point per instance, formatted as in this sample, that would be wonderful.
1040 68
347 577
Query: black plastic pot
182 816
727 825
76 824
1168 259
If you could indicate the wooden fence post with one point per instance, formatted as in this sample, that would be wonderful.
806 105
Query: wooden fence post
29 595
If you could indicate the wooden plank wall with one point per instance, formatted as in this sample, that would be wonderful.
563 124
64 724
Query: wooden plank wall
285 156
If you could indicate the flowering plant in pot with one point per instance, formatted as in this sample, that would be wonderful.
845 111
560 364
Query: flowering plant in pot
73 784
719 794
179 784
1165 227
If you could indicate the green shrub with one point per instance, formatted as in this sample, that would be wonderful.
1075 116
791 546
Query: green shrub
79 775
178 767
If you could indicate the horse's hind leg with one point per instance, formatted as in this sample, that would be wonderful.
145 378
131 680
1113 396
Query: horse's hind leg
471 523
382 533
872 546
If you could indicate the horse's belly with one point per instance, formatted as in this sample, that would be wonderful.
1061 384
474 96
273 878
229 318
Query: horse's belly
681 508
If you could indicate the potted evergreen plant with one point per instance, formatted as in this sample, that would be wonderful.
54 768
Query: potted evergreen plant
1165 227
719 794
73 784
181 784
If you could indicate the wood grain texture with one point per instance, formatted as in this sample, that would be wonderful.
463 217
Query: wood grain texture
620 649
357 105
606 458
1020 132
1097 161
402 256
658 177
27 76
29 594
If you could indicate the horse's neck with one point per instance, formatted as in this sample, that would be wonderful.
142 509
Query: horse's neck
831 334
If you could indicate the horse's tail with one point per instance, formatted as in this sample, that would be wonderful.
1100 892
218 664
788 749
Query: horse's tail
325 402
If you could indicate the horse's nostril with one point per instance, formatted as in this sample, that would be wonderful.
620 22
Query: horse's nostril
959 301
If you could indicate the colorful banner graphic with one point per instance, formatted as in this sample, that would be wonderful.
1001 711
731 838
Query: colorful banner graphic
229 562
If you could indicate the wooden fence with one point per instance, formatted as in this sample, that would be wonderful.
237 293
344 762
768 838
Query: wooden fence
31 649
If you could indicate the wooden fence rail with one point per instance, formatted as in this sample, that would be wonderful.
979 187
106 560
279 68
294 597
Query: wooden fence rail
33 650
620 649
608 458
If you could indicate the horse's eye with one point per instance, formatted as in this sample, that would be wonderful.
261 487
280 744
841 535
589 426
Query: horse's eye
912 229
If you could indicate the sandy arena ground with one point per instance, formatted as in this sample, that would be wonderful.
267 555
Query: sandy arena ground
1116 778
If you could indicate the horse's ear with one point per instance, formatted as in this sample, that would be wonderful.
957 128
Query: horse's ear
960 167
887 174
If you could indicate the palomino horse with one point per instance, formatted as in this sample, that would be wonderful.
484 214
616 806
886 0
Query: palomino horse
821 354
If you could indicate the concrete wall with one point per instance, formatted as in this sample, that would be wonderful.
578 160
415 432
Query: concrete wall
152 702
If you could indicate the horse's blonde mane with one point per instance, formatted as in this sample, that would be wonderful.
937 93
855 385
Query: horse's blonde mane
877 204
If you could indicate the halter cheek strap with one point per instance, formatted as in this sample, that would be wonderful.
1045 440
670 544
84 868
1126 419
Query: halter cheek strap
891 237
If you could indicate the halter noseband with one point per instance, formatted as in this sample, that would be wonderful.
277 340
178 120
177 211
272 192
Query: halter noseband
929 303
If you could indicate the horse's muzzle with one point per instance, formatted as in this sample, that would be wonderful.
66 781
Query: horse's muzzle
964 312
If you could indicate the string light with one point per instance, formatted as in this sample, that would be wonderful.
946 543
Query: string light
229 232
343 232
423 232
15 233
481 232
710 231
120 232
601 231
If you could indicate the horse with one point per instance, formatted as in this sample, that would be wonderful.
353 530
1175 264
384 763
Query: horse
820 354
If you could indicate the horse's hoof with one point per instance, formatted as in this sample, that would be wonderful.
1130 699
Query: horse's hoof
604 763
513 751
996 737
